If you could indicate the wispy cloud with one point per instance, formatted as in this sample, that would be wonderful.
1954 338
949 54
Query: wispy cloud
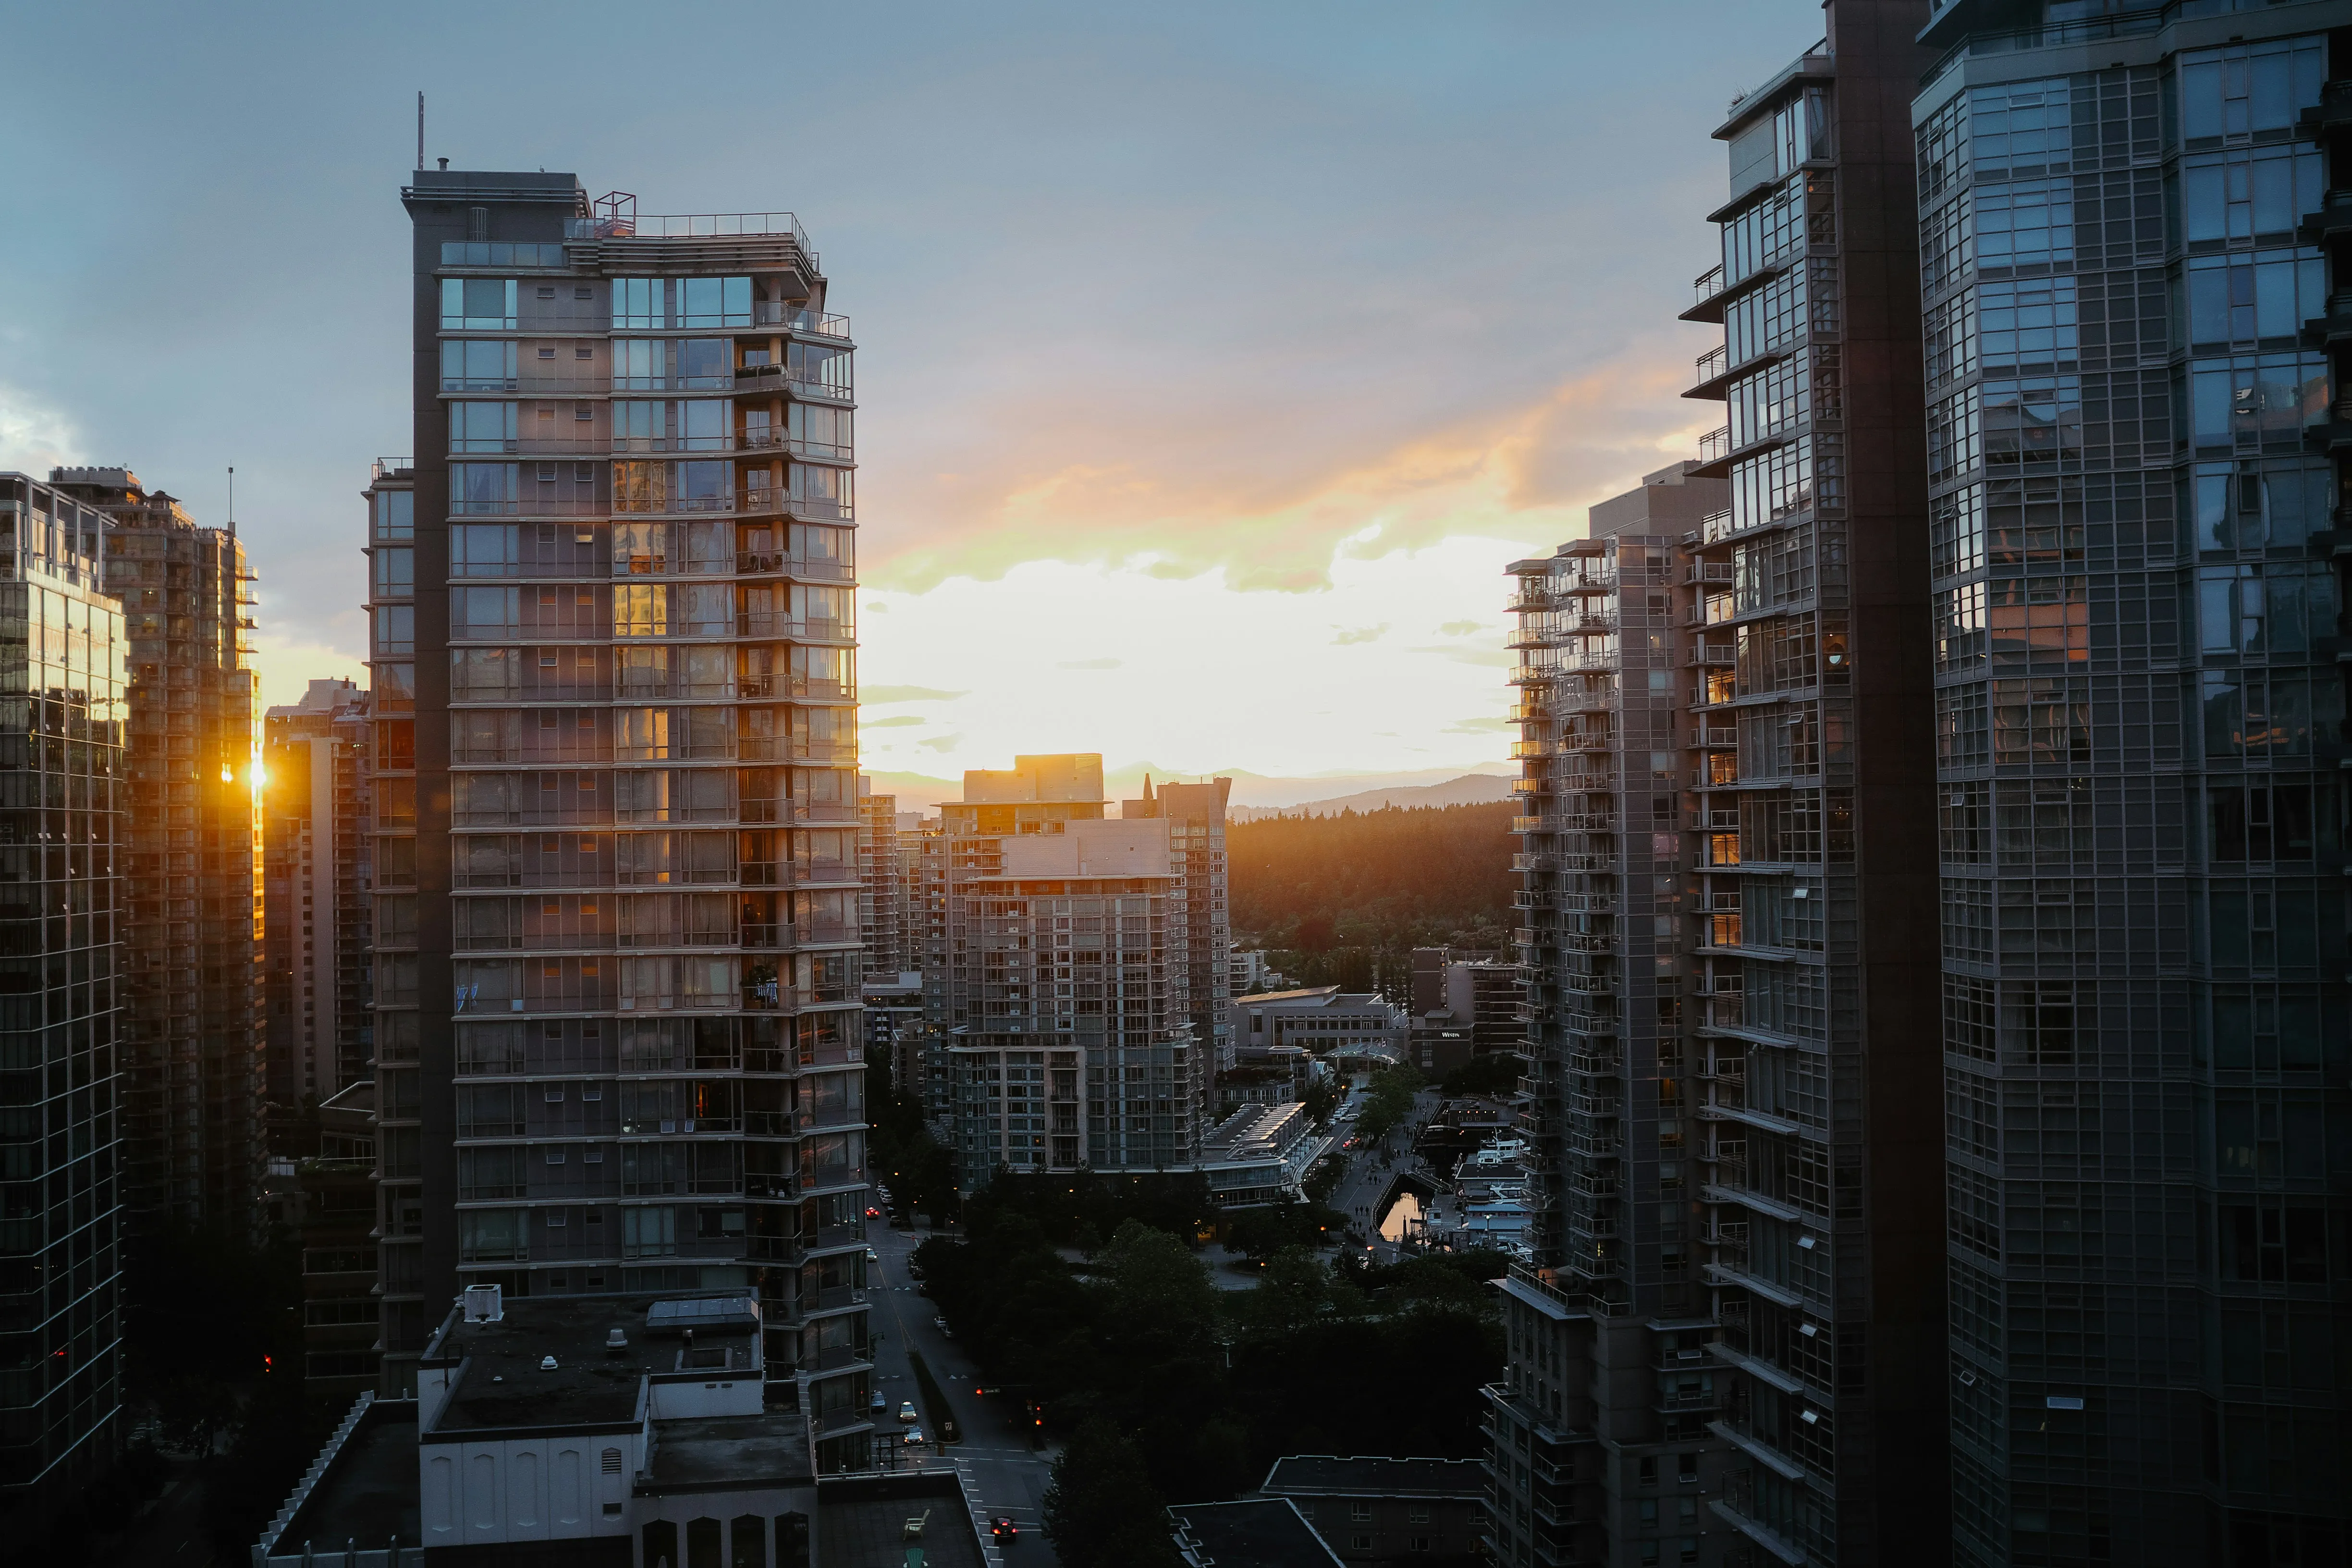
1479 727
900 723
883 696
1492 658
1519 472
1460 629
1360 634
942 742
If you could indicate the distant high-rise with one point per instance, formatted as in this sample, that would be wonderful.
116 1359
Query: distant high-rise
1067 1000
317 898
1195 814
62 716
881 886
193 1035
625 602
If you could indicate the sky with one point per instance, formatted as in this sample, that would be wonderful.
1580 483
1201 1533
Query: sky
1213 360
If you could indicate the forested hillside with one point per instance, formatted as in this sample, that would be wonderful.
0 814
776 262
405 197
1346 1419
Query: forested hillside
1345 898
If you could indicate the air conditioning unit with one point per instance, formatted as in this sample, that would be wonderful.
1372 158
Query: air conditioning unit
483 1303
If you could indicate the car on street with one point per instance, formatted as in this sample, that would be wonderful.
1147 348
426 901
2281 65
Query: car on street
1003 1529
907 1410
872 1256
880 1404
873 1213
941 1324
914 1435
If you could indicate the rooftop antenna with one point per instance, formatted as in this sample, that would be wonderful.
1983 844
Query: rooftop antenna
232 501
420 131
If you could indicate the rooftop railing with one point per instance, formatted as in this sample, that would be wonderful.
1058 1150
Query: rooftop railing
692 225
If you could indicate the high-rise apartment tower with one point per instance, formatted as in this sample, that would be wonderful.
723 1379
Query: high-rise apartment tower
1783 815
630 631
317 900
191 1023
2134 321
62 715
1602 1452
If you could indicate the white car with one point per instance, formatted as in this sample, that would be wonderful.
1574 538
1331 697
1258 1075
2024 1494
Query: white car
907 1410
914 1435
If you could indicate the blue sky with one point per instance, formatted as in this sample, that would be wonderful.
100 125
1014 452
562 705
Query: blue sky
1214 359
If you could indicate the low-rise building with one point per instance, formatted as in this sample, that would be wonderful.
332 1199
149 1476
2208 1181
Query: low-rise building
1256 1533
1318 1020
596 1429
1386 1512
1260 1154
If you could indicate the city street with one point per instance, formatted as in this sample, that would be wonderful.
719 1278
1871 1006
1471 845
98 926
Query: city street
994 1457
1369 1172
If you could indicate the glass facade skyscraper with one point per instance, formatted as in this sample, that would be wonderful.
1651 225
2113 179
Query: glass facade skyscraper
62 718
2127 245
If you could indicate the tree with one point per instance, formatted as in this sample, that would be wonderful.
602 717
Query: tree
1322 1100
1389 1103
1101 1509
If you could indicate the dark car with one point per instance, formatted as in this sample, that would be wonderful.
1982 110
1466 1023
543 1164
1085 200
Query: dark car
1003 1529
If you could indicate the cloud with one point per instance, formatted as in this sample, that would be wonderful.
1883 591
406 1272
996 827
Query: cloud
1481 727
900 723
882 696
34 438
1089 664
1514 472
943 743
1461 629
1360 634
1492 658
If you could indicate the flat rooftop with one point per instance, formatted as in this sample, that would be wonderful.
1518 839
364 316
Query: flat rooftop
1258 1532
729 1452
1374 1474
369 1493
504 1384
870 1531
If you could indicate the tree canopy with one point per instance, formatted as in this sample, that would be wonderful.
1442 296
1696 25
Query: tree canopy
1343 899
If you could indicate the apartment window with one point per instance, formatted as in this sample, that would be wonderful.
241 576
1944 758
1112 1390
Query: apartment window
1422 1543
547 351
483 487
714 302
478 364
1359 1513
482 427
1417 1513
395 630
477 304
1360 1544
396 514
638 303
547 290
